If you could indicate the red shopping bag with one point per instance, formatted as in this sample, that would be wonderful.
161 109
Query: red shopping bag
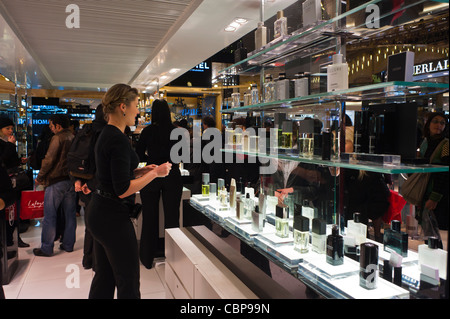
32 204
396 204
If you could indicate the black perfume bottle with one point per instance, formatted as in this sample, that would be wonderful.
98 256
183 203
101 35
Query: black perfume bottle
396 240
335 247
368 266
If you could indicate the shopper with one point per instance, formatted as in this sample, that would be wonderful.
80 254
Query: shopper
154 147
84 187
433 212
7 197
59 190
108 217
10 160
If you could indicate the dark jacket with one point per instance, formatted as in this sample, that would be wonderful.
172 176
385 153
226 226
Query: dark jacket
54 165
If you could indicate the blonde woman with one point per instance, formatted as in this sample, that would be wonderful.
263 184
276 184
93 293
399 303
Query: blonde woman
115 247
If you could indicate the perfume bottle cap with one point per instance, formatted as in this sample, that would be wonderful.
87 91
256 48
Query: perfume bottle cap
281 76
247 195
297 209
357 217
433 242
287 126
256 209
319 226
282 211
280 14
205 178
260 24
301 223
220 183
335 230
396 225
338 58
368 255
268 77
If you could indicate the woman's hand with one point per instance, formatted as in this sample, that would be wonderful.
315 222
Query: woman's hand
430 204
12 139
283 193
85 189
163 169
77 186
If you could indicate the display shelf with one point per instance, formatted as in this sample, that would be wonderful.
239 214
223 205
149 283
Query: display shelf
371 167
316 38
394 90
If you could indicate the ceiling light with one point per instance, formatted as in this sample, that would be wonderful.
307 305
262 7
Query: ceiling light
235 24
174 70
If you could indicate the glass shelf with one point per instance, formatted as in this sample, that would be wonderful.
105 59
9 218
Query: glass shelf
371 167
315 38
385 90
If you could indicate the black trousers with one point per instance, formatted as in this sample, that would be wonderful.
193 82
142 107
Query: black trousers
88 248
170 188
115 250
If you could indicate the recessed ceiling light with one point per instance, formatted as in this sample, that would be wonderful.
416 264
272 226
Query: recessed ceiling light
235 24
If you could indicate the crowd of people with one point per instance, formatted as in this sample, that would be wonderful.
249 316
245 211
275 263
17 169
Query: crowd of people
110 244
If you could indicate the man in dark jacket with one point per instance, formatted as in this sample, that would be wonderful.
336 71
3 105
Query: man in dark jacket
59 190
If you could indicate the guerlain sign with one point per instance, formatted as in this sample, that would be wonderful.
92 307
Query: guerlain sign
431 67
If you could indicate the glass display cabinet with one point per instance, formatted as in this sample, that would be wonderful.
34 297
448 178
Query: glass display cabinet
311 157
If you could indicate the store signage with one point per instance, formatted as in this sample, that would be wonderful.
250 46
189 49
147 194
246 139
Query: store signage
201 67
431 67
187 112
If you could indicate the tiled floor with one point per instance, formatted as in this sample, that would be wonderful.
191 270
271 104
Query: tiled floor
62 276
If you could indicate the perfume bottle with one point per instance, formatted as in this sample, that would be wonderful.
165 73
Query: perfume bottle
260 36
240 53
223 197
235 99
301 233
368 266
301 84
396 240
280 25
249 190
232 193
212 191
240 186
326 144
284 87
337 74
311 12
306 145
268 89
286 135
248 206
220 184
255 94
319 235
433 256
239 208
357 229
335 247
281 221
257 220
205 184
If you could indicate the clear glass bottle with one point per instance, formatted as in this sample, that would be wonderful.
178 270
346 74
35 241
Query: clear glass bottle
257 220
433 256
205 184
235 99
337 74
306 145
248 206
319 235
281 221
301 233
335 247
268 89
357 229
254 94
223 194
280 25
396 240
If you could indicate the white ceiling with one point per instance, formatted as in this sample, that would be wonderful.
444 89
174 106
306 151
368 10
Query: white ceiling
119 41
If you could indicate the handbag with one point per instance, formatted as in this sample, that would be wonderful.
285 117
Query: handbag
413 189
32 204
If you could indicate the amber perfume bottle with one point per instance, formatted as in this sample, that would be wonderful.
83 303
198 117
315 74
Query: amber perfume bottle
396 240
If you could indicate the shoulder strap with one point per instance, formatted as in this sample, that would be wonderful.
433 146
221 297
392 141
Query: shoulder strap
438 149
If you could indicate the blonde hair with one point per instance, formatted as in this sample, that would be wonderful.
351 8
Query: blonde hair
116 95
